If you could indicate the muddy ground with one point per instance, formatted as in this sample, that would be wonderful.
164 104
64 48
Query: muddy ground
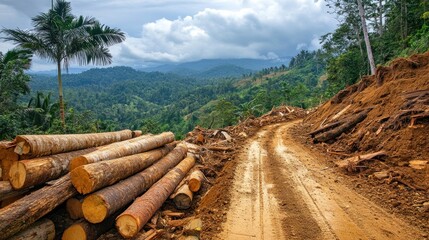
278 182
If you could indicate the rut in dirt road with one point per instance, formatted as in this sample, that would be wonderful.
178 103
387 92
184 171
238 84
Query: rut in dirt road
283 191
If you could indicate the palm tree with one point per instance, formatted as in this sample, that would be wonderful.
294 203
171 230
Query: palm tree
62 38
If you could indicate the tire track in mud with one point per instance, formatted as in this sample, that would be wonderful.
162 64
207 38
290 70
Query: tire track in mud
283 191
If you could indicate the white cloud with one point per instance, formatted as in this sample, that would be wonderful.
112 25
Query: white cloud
179 30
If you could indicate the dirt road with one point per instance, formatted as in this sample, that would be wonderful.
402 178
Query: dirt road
283 191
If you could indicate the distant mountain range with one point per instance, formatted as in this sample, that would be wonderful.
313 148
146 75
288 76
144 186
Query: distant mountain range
206 68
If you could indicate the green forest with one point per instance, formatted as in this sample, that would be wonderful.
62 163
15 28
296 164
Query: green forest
106 99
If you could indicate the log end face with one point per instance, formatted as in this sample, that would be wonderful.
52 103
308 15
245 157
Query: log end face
194 185
74 208
81 180
182 201
76 162
75 231
94 209
127 226
17 175
22 147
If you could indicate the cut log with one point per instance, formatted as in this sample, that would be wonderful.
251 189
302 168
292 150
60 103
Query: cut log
337 131
43 145
91 177
137 133
183 197
74 207
193 148
350 163
25 211
325 128
6 191
144 143
43 229
101 204
195 180
214 148
132 220
27 173
83 230
7 158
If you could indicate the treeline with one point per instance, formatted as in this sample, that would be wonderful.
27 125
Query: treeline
396 28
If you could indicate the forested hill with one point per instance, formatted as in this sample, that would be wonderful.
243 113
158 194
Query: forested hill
122 97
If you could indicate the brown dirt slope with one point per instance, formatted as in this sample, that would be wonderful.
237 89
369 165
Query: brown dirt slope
397 122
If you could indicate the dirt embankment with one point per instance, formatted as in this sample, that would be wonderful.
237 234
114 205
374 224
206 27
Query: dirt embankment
397 122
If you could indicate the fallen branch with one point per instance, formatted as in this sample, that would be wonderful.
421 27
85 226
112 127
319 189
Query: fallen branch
325 128
341 112
213 148
350 164
344 127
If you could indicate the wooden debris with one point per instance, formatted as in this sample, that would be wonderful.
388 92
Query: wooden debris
227 136
344 127
101 204
418 164
193 227
341 112
195 179
25 211
172 214
139 145
418 116
43 229
91 177
214 148
325 128
43 145
350 163
132 220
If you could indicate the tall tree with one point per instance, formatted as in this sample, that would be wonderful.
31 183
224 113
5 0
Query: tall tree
366 37
60 37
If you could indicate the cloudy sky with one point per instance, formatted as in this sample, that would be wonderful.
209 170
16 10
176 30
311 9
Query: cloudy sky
182 31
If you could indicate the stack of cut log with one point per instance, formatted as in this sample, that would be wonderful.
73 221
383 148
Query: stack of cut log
97 175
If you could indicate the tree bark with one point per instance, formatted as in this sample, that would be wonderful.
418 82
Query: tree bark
366 37
27 173
74 207
183 197
351 163
132 220
195 180
103 203
91 177
43 229
25 211
347 125
126 148
60 94
43 145
6 191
